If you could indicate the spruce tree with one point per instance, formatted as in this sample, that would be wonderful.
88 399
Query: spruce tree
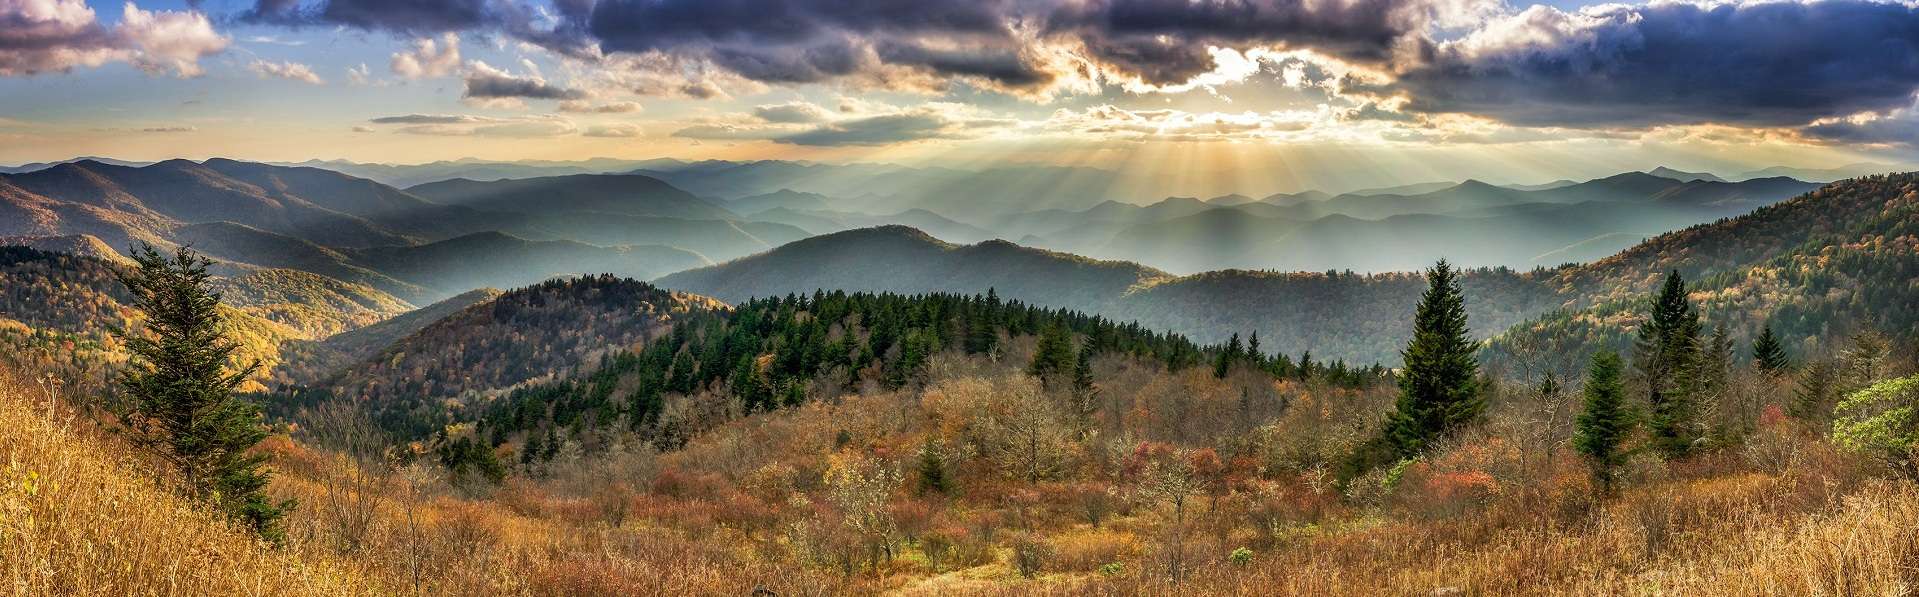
1224 365
1054 356
1816 393
914 351
1667 354
179 385
932 470
1604 422
1769 356
1439 387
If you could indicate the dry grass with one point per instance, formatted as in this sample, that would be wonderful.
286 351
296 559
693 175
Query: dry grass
78 516
81 514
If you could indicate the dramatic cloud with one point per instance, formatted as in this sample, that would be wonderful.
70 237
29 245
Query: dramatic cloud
429 57
1167 41
803 41
286 70
531 23
483 81
1006 66
1895 127
417 17
38 36
1756 64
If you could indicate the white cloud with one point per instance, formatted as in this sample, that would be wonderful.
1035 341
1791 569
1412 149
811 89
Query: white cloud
359 75
41 36
286 70
429 57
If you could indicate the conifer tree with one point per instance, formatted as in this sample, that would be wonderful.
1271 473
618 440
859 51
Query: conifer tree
1604 422
1054 355
179 385
932 469
1769 356
1815 394
1439 387
1224 365
1667 355
914 351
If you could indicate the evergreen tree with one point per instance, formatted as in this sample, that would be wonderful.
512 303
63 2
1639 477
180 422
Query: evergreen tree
748 385
1714 367
982 331
180 391
1605 422
1054 355
1816 393
1769 356
1439 388
932 470
532 453
1667 355
1226 357
914 351
551 448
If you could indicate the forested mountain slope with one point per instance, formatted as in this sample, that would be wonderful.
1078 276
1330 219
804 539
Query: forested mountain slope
1839 260
519 336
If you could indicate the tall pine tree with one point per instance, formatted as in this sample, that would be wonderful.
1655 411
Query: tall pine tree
1667 354
1439 387
1604 422
180 386
1769 356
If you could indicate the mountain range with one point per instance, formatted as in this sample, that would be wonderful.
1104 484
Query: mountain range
312 253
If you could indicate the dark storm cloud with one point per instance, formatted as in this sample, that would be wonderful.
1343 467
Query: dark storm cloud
1772 64
497 85
1002 65
424 17
1165 41
1900 127
399 16
807 64
803 41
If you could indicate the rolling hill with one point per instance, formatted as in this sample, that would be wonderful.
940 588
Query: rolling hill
905 260
426 376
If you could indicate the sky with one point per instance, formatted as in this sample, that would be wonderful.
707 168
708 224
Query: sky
1250 95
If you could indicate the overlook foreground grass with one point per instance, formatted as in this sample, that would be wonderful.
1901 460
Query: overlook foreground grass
81 514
